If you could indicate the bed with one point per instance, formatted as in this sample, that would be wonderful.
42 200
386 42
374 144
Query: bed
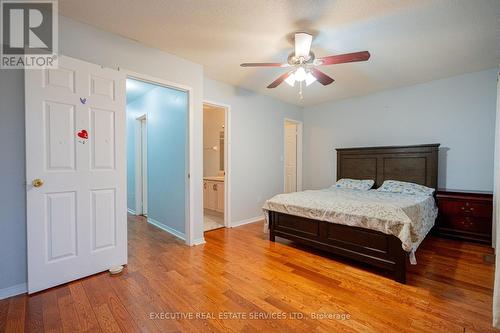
350 228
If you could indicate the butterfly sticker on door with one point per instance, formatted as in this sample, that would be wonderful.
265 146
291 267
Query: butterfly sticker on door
82 136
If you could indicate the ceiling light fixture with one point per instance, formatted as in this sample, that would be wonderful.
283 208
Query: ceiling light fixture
300 75
310 79
290 80
304 64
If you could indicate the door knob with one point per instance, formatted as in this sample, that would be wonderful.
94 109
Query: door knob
37 182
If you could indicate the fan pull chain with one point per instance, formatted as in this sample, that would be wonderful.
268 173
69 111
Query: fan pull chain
300 90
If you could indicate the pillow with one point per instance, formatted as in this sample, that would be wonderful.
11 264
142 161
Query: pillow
395 186
354 184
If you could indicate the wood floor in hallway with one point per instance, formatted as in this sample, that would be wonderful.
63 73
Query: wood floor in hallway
240 282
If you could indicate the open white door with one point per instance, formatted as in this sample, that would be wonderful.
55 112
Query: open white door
144 166
141 166
75 169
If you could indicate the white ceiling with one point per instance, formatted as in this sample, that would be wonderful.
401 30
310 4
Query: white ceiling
136 89
411 41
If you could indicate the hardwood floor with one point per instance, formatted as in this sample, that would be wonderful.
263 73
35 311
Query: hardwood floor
238 273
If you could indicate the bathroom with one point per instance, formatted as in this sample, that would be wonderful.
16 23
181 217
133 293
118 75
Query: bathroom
214 164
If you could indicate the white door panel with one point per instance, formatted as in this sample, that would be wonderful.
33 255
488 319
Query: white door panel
102 126
144 169
76 221
290 157
61 225
60 143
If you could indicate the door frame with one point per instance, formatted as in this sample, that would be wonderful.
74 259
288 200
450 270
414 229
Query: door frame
227 158
299 152
190 185
139 163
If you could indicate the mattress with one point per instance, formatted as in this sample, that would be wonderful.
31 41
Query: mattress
408 217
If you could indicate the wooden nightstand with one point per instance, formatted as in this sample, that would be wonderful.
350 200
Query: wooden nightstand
465 215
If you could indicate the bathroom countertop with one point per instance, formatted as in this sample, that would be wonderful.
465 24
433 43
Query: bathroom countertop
214 178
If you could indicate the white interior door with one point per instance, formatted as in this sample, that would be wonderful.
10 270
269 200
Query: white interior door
144 169
290 157
75 168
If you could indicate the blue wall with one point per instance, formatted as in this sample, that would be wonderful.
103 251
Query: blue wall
457 112
133 112
12 191
167 121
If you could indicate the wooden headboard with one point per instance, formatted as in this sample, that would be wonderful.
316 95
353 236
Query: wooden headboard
417 164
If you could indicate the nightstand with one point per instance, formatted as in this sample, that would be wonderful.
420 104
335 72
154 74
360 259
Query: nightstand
465 215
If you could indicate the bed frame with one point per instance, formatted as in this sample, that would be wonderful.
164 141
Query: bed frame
416 164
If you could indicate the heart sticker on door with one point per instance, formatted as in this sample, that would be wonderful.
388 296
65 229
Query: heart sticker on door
83 134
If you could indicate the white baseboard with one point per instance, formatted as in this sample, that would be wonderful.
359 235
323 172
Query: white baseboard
13 291
167 229
131 211
247 221
198 241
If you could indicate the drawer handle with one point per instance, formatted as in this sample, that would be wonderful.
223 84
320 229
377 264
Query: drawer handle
467 222
214 187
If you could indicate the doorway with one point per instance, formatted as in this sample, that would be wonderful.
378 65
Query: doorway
157 154
293 156
215 166
77 192
141 164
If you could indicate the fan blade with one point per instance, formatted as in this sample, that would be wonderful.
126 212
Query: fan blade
302 44
343 58
280 79
263 64
321 77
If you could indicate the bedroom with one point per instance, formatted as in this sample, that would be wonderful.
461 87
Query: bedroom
428 80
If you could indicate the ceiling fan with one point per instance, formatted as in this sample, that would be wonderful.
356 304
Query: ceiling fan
304 64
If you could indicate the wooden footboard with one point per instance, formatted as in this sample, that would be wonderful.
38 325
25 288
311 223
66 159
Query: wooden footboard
362 245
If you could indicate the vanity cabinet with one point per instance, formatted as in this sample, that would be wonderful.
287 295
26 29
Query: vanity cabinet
213 195
220 197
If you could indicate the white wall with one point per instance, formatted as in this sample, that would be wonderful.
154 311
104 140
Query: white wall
458 113
213 122
12 180
256 143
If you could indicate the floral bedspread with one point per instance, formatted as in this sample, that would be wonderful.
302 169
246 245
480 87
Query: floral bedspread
406 216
